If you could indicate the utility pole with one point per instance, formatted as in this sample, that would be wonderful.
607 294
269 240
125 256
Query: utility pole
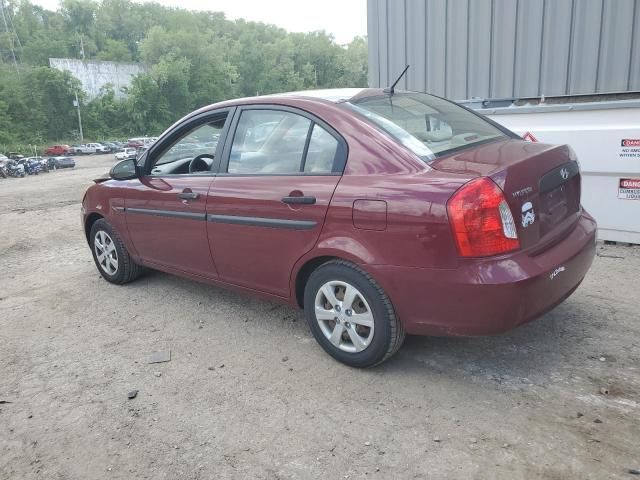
6 28
76 103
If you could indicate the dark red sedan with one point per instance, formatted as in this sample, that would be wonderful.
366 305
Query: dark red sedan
379 213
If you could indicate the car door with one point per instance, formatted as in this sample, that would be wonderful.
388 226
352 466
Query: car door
267 204
166 210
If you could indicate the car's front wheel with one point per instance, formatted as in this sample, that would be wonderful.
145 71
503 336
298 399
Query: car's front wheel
111 256
350 315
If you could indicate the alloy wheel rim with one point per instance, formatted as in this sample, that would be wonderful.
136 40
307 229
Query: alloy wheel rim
344 316
106 252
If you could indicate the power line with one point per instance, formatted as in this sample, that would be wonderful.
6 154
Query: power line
6 28
13 29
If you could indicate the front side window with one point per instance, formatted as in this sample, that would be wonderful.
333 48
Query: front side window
429 126
194 152
273 142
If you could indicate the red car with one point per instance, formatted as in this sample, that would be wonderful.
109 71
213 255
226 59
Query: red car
380 213
57 150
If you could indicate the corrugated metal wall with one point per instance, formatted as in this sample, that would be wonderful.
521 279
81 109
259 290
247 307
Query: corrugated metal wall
503 48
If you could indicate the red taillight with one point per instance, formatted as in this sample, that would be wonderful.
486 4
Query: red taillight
481 220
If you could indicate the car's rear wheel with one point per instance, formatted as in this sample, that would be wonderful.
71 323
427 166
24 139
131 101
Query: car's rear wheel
350 315
111 256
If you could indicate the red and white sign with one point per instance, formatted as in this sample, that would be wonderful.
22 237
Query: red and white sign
629 189
529 137
629 148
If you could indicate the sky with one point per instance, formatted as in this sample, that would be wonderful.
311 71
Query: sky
344 19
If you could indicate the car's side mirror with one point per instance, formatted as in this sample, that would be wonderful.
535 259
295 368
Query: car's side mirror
124 170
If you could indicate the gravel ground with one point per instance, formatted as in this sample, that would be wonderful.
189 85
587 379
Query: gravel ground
249 394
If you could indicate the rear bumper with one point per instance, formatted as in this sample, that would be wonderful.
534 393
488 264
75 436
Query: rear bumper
489 296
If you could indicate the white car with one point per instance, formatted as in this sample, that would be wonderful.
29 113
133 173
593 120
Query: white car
126 153
98 148
83 149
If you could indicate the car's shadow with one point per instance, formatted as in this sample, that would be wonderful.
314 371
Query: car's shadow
537 353
530 354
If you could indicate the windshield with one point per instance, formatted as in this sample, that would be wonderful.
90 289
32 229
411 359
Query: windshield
429 126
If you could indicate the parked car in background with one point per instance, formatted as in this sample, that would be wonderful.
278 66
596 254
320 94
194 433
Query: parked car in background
62 162
135 142
118 146
52 163
58 150
89 149
111 146
78 149
98 148
378 212
126 153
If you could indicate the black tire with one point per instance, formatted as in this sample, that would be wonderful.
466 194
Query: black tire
127 269
388 333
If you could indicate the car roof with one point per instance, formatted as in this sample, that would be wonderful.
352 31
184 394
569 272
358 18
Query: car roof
336 95
331 96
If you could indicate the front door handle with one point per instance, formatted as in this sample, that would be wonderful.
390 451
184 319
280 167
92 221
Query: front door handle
299 200
188 195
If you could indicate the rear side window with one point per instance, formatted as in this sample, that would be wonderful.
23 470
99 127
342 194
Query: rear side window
274 142
322 151
429 126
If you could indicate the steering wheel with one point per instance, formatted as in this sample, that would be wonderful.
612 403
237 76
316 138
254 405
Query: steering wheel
198 164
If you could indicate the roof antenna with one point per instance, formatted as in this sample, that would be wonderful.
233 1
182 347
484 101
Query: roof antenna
392 89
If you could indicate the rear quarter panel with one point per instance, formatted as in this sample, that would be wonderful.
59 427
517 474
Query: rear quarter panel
416 232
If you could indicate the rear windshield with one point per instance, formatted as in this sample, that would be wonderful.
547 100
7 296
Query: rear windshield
429 126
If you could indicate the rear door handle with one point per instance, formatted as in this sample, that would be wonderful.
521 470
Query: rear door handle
299 200
188 195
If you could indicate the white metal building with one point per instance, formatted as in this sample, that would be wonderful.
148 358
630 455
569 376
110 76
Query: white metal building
506 48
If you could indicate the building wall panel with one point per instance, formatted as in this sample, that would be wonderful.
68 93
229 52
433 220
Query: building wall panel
615 44
505 48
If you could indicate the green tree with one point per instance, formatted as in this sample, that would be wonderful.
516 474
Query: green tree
5 124
192 59
115 51
354 64
105 116
50 94
147 111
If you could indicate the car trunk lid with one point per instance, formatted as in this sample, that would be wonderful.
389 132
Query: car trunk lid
541 184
